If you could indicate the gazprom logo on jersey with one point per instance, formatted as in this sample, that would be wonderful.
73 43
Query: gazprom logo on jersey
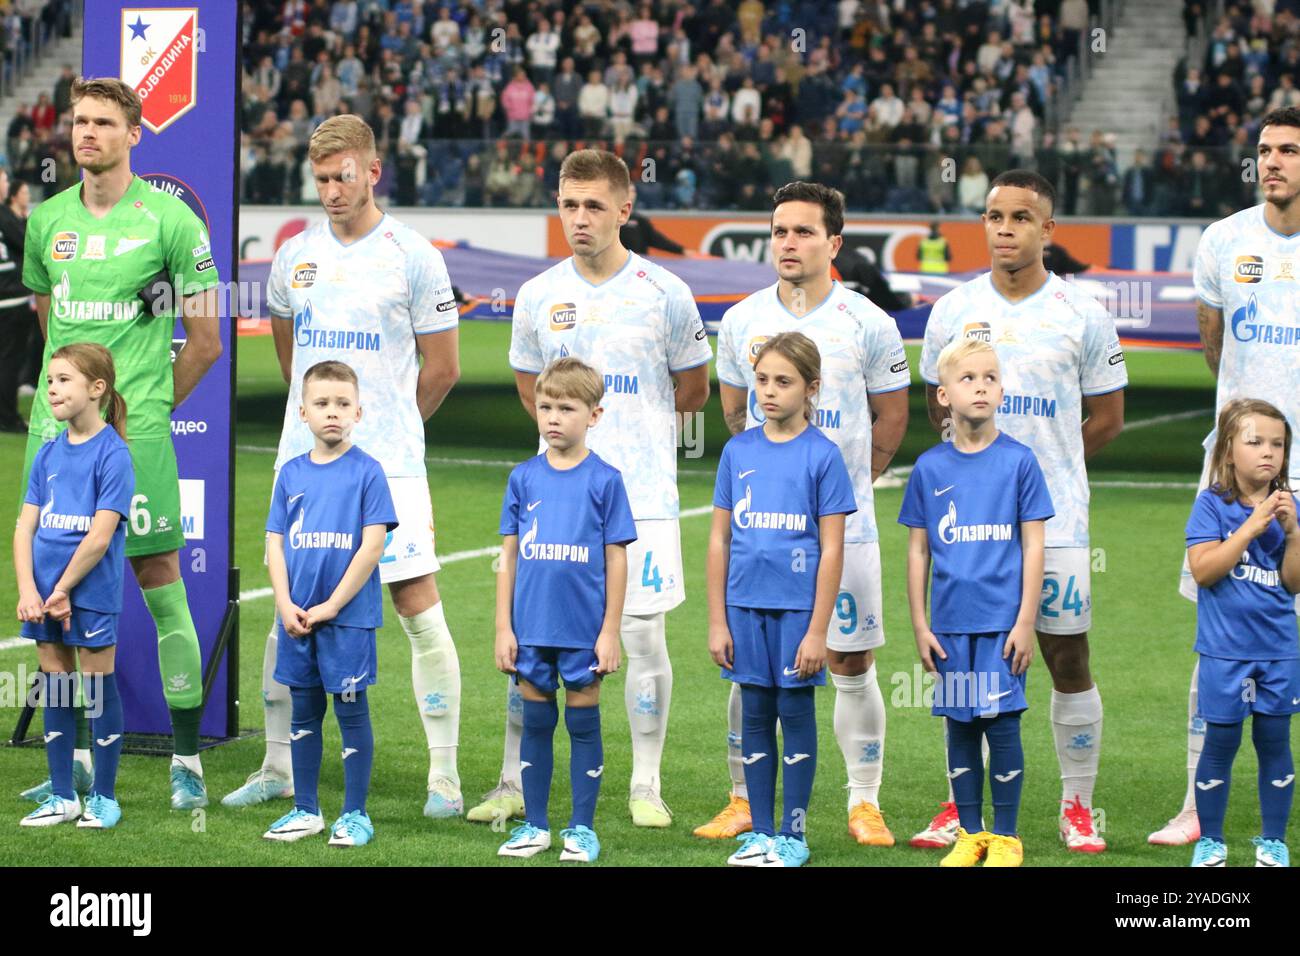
950 532
306 335
1245 571
63 522
768 520
1244 328
64 307
192 506
1034 405
530 550
564 316
299 539
621 384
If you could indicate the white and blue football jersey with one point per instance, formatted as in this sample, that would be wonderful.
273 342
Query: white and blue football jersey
862 353
69 483
1055 347
320 510
363 304
636 328
1248 271
563 519
971 506
1247 615
776 493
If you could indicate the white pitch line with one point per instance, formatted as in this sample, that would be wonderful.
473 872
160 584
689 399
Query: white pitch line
1165 419
10 643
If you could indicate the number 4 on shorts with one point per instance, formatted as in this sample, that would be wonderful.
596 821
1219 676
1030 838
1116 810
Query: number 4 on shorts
650 577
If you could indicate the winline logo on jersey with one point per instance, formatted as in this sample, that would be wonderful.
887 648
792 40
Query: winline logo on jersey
307 335
744 517
530 550
950 532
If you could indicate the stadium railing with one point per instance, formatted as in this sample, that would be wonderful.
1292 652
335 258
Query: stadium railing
886 177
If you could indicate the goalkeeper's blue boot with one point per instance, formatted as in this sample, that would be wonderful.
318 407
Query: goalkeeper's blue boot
188 789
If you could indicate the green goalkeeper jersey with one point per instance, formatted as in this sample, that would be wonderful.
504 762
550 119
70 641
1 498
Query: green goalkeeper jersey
93 271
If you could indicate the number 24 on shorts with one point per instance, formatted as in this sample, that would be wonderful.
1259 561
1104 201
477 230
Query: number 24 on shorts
1071 601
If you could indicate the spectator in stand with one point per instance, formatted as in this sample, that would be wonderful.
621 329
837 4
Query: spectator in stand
644 33
1285 95
593 105
43 115
543 51
517 102
63 92
717 110
543 118
746 105
798 151
567 86
973 186
1138 189
687 100
622 110
1024 126
889 108
327 93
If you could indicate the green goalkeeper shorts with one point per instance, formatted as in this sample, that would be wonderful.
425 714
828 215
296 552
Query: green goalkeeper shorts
154 523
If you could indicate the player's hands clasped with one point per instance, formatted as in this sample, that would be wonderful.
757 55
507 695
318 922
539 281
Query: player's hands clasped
607 653
30 607
1021 642
721 648
810 658
507 649
294 620
927 645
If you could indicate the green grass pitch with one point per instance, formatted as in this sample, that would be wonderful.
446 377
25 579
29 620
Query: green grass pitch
1141 656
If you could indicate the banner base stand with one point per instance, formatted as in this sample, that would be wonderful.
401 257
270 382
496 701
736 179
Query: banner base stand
153 745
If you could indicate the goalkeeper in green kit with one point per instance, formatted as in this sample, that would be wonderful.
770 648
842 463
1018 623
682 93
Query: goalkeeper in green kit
103 258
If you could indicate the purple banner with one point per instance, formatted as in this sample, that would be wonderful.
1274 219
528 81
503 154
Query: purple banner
183 60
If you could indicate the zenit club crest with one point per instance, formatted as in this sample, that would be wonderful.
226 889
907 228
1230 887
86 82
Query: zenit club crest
159 61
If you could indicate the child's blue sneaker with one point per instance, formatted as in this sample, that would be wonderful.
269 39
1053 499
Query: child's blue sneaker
100 813
1210 852
580 845
787 851
1271 852
753 851
352 829
526 840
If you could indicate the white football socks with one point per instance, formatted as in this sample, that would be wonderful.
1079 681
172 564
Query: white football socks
1076 729
647 694
1195 739
510 770
735 757
277 707
860 731
435 676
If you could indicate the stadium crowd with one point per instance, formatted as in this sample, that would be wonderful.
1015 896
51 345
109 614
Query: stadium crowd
906 107
1203 162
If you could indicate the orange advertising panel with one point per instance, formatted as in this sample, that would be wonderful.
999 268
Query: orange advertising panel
891 243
